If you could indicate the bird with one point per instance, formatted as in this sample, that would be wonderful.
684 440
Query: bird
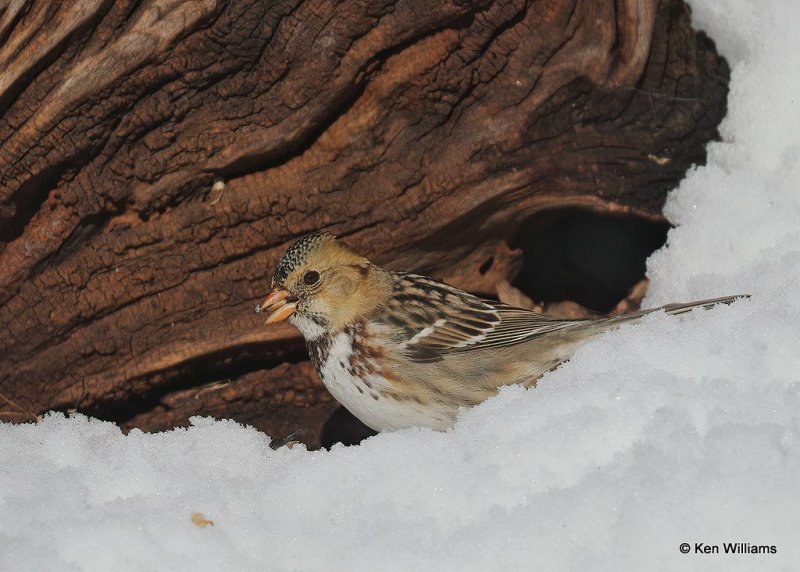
402 350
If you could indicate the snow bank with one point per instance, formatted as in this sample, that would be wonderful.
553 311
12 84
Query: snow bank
674 430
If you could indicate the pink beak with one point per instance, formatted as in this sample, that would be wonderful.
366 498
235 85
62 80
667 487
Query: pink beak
280 302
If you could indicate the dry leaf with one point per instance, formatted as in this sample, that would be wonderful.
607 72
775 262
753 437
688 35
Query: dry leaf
512 296
568 310
200 521
633 301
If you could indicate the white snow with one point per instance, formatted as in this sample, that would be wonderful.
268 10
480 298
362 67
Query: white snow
679 429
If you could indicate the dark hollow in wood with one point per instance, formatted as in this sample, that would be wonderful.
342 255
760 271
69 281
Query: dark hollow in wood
157 157
591 259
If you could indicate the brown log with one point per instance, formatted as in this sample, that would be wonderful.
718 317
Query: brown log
156 157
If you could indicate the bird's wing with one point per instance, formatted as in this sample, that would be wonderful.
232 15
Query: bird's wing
430 319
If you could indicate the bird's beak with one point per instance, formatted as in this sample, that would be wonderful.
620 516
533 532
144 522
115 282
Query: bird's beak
281 303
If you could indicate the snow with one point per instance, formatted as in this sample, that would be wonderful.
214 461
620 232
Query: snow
678 429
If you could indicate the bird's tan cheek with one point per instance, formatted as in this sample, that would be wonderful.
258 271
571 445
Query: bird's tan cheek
338 310
340 288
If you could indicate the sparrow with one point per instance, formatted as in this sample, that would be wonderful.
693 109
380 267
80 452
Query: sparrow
403 350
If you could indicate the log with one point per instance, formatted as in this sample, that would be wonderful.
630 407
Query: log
157 156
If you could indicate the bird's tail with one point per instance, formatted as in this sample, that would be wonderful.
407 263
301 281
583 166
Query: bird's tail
676 309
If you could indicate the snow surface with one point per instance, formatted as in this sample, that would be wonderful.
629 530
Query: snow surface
674 430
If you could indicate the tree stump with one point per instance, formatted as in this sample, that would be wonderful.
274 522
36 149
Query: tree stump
157 156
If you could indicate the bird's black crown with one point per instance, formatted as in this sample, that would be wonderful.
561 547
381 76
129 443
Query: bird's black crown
296 255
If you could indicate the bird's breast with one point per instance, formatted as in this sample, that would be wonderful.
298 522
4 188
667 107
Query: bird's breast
353 373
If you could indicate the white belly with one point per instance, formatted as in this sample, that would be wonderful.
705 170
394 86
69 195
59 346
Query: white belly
365 399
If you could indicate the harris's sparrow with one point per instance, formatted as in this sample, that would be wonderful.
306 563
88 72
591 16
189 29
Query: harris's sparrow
402 350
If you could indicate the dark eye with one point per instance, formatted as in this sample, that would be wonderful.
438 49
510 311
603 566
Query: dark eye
311 277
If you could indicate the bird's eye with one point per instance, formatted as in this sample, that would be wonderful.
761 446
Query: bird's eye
311 277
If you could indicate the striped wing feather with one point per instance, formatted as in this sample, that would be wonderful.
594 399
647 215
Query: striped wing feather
439 319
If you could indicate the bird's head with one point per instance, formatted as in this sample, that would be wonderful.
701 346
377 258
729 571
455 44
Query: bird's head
321 286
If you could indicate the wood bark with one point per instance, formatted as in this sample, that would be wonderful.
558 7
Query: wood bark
157 156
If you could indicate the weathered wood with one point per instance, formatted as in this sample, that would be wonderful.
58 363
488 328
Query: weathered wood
423 132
